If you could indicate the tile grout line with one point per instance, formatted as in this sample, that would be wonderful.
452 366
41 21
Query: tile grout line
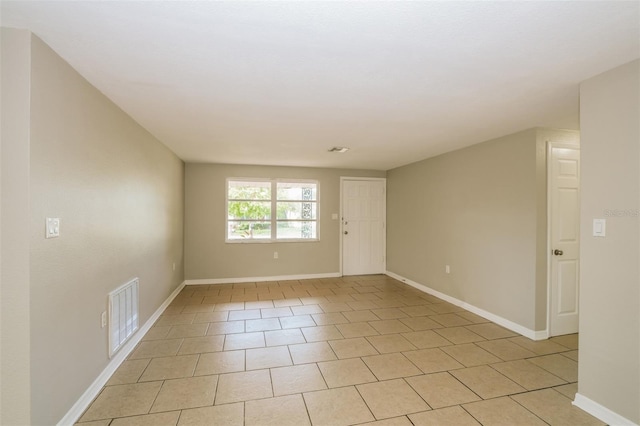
469 413
366 404
404 379
509 396
463 384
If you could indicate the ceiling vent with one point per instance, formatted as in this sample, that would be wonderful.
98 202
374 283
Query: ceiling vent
340 149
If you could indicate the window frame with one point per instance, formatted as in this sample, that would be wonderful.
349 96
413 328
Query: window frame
274 212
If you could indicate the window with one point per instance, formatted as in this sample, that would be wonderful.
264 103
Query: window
272 210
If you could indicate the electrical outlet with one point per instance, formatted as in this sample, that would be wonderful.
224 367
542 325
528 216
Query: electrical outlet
275 254
174 266
52 227
447 269
103 319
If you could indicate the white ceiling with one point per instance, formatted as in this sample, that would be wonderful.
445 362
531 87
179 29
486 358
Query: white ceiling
280 83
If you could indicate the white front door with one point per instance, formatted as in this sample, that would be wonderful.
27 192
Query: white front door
363 226
564 198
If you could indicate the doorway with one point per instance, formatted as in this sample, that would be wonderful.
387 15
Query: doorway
363 232
564 238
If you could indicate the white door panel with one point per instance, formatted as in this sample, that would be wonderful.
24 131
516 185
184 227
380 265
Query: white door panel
567 288
564 187
363 237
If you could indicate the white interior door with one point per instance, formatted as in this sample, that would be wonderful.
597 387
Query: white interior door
564 209
363 227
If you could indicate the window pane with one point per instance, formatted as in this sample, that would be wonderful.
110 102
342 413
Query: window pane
296 211
297 191
239 190
296 230
239 230
256 210
253 214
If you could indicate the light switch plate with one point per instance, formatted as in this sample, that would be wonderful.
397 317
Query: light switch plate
53 227
599 227
334 216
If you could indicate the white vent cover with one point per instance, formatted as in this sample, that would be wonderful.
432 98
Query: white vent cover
123 315
339 149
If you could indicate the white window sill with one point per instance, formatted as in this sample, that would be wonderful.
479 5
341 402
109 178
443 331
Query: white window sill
265 241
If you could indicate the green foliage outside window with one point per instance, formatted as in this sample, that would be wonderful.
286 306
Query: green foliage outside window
249 210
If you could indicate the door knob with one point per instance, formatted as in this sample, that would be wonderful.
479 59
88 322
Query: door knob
558 252
346 232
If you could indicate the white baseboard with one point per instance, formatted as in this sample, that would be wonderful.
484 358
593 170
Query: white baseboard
600 412
92 391
262 279
541 335
517 328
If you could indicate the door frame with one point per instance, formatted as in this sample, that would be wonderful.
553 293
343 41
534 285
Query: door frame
384 217
549 148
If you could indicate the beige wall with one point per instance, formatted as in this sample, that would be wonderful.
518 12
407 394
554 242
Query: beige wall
14 254
481 210
609 368
120 196
209 257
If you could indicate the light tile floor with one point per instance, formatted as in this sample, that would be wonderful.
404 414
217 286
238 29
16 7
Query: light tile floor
343 351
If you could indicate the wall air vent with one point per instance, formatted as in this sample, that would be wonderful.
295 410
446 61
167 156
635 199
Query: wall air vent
123 315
